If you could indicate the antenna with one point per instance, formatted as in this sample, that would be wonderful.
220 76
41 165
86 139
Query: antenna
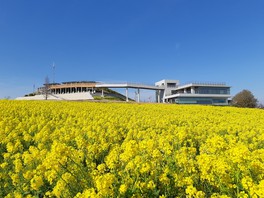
53 72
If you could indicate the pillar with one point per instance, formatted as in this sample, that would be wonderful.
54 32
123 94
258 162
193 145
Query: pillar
138 96
102 93
126 94
192 90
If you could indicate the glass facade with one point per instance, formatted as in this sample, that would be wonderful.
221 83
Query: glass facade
212 90
204 90
193 100
201 94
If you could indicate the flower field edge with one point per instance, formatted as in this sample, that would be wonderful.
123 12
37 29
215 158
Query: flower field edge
87 149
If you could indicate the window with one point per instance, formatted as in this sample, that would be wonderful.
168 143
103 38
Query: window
171 85
183 100
212 90
219 101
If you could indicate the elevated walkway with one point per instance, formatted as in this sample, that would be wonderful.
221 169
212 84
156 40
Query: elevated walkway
127 85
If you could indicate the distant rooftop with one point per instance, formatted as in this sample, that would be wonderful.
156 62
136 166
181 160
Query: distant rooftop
72 82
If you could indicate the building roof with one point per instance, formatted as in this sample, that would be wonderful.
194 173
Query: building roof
201 84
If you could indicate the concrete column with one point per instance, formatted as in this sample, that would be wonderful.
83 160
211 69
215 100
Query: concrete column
192 90
102 93
138 96
126 94
158 96
185 91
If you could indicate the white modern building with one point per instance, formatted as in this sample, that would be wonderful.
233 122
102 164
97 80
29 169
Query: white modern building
194 93
167 91
167 87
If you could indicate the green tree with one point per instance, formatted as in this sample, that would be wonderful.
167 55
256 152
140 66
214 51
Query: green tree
245 99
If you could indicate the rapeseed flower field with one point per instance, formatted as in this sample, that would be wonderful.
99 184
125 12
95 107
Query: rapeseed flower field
86 149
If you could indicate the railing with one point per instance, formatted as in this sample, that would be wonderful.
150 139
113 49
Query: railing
203 83
129 85
126 82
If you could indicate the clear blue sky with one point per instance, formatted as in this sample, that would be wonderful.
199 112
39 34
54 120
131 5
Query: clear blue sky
131 40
